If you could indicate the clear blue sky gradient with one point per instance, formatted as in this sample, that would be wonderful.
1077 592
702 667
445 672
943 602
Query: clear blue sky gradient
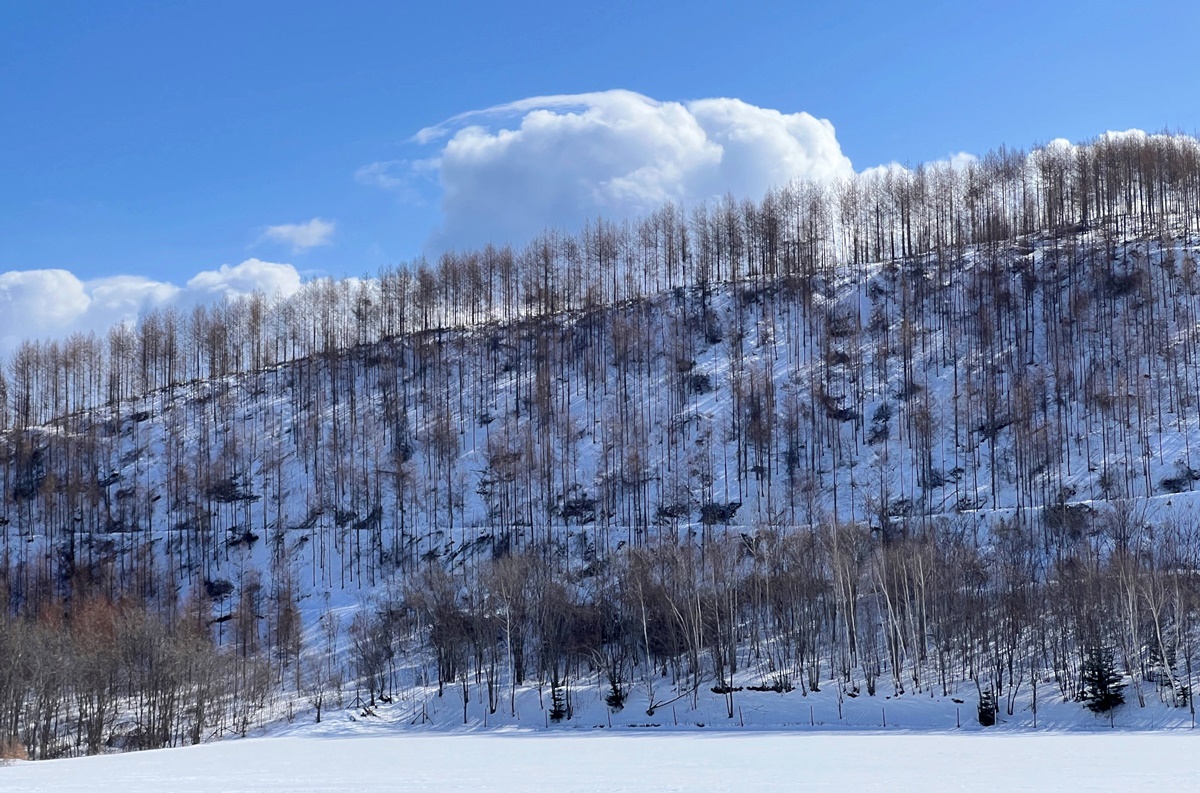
160 138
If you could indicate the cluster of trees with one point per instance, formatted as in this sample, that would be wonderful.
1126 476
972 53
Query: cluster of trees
911 364
141 670
928 612
832 606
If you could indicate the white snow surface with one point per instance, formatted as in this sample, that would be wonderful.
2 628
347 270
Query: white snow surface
620 761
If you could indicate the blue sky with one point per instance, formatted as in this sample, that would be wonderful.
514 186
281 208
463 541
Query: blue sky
162 140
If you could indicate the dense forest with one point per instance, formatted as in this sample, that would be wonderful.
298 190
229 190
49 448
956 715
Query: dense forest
924 429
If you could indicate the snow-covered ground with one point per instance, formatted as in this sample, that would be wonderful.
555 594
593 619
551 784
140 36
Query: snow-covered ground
419 709
617 761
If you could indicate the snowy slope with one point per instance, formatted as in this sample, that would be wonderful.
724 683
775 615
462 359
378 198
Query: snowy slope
586 434
461 443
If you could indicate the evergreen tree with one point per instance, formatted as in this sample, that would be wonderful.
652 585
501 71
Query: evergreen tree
1102 689
987 707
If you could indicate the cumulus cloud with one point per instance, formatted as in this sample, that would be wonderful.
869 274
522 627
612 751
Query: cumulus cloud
959 161
36 302
509 171
301 236
121 298
1119 136
39 304
246 278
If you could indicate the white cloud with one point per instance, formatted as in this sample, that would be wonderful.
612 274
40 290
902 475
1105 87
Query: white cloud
125 293
246 278
1120 136
509 171
388 174
301 236
402 177
40 304
121 298
959 161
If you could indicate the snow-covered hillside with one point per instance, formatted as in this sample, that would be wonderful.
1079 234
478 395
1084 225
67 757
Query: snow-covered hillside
890 396
930 437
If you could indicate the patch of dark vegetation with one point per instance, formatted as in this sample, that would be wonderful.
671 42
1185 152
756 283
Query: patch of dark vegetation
218 588
230 491
712 513
580 510
780 684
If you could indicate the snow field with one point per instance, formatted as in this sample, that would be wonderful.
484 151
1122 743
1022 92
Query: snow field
617 762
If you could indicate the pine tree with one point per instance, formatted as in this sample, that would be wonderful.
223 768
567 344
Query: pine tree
1102 689
987 707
